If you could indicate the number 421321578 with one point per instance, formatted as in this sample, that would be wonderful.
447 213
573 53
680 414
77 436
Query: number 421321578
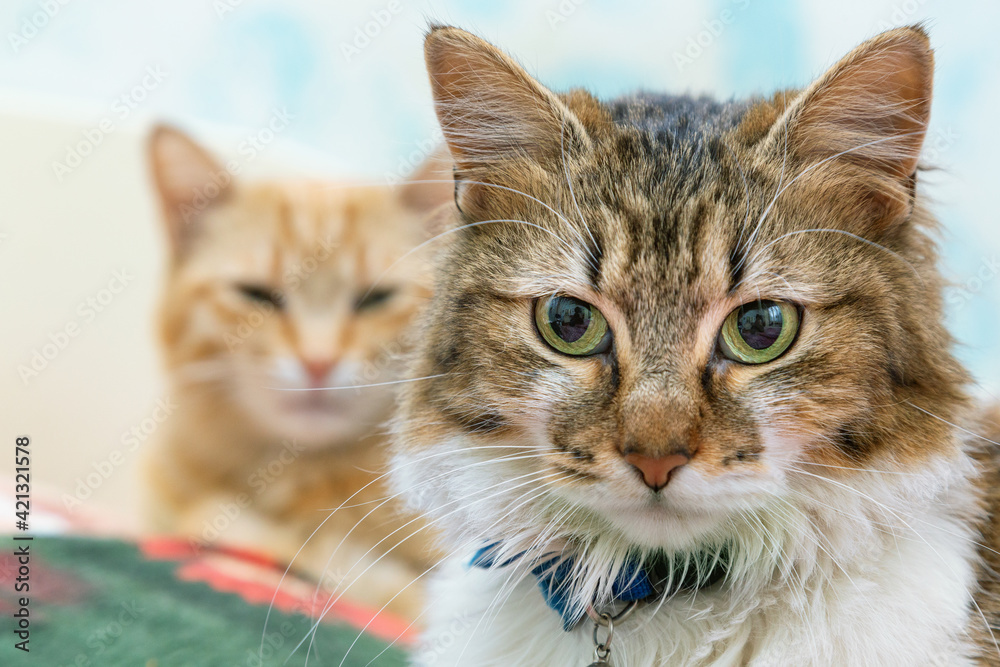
22 461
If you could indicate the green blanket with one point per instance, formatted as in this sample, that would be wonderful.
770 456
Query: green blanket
102 602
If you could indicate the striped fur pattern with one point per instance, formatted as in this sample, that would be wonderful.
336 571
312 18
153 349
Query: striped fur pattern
279 298
850 478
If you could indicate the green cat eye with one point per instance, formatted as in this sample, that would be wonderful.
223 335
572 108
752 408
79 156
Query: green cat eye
572 326
759 331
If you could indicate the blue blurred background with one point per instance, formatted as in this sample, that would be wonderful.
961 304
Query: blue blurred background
350 76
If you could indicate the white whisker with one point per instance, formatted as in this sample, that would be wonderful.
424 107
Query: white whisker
358 386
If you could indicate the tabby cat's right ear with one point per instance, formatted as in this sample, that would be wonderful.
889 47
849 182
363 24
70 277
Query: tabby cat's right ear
491 111
188 181
861 126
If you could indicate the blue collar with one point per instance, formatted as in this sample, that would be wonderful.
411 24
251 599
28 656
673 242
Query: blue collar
636 580
633 583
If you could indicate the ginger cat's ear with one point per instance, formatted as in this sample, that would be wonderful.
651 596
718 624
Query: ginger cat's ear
188 181
870 112
431 184
491 110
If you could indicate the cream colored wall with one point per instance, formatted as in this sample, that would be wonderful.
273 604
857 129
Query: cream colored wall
63 243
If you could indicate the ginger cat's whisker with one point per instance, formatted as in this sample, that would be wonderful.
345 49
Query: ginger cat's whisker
357 386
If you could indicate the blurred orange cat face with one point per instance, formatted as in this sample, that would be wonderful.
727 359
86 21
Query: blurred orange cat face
284 298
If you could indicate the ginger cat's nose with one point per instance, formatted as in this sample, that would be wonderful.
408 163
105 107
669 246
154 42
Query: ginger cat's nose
318 369
656 471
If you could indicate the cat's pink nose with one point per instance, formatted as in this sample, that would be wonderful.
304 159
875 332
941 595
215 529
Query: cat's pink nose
656 470
318 369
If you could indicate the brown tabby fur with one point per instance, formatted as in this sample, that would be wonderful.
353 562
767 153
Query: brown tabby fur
988 597
647 208
241 462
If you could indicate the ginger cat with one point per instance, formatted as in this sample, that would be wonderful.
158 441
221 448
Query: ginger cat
279 297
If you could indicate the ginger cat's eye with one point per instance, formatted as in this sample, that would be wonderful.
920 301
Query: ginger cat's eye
373 298
262 294
759 331
572 326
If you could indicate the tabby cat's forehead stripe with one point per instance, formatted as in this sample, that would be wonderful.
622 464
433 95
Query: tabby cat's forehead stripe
737 265
593 267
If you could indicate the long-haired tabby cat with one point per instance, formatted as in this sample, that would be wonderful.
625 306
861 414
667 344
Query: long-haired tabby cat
279 297
686 367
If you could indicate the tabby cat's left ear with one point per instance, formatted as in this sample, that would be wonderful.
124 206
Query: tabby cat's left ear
867 118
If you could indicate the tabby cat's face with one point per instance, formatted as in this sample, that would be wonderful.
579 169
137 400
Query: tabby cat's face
281 297
666 318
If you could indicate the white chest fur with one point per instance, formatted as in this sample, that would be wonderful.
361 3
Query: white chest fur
906 605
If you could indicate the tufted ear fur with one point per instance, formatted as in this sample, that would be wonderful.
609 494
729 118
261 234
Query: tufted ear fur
491 111
868 115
